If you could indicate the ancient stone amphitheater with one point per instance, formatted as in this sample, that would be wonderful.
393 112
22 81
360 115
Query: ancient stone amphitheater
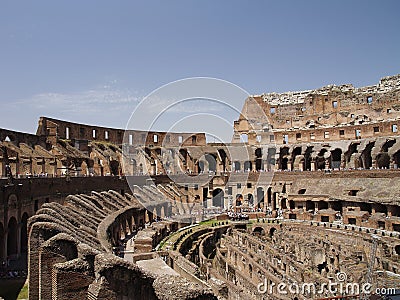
303 203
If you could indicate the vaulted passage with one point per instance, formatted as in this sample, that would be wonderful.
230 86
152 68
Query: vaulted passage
218 198
12 237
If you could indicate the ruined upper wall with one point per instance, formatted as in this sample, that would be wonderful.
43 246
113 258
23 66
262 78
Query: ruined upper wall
334 105
326 114
53 129
17 137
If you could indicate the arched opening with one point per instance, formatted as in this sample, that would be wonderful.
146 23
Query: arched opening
272 232
283 158
212 162
387 145
114 167
12 247
292 204
310 205
259 165
283 203
251 271
380 208
296 152
236 166
223 156
320 160
269 196
397 249
201 166
284 163
260 197
322 205
247 166
336 156
2 241
218 198
307 158
250 199
383 160
134 166
351 150
24 233
365 157
258 231
338 206
239 199
396 159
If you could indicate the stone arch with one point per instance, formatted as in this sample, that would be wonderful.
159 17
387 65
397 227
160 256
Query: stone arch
250 199
308 158
283 203
12 234
212 162
396 159
383 160
365 157
247 166
283 158
114 167
134 166
296 152
320 160
239 199
24 233
351 150
389 143
272 232
260 197
223 156
258 154
336 158
218 198
259 230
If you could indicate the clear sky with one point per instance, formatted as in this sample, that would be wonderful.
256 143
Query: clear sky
93 61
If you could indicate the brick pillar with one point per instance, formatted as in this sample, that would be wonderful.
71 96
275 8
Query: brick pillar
70 285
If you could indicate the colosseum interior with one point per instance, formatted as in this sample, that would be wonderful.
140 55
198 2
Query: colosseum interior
305 195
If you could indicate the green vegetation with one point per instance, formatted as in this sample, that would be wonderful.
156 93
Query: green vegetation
23 294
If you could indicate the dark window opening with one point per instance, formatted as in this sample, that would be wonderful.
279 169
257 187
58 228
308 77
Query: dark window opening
302 191
353 192
352 221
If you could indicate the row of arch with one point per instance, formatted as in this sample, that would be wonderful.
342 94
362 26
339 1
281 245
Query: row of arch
371 156
218 198
14 237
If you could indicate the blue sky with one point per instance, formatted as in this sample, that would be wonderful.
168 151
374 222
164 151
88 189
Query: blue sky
93 61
